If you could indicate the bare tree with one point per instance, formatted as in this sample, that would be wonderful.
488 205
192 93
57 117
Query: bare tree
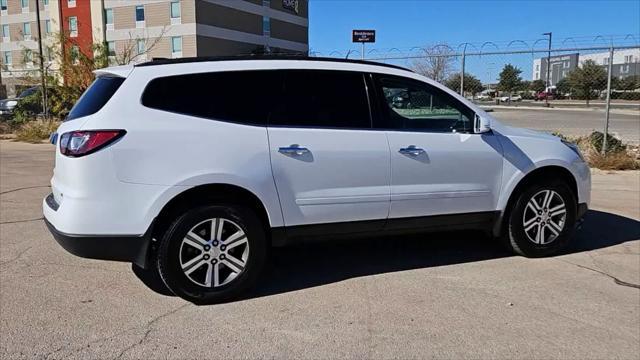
130 52
437 63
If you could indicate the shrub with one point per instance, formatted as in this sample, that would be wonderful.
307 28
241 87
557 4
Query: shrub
614 145
36 131
614 161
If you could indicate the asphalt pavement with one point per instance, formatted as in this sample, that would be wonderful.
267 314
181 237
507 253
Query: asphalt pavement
624 124
449 295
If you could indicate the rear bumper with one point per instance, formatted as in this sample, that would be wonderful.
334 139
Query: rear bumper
130 248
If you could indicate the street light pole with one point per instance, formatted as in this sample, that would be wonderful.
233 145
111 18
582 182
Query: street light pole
546 97
42 78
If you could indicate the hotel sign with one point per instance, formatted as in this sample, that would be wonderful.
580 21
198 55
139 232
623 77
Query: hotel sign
291 5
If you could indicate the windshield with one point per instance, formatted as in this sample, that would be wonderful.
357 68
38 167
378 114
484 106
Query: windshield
95 96
29 91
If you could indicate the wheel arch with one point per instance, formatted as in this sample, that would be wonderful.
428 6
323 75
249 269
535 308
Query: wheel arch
208 194
537 174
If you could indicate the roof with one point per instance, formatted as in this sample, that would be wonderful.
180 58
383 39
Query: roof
164 61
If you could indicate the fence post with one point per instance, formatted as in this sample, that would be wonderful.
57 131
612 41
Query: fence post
462 72
606 116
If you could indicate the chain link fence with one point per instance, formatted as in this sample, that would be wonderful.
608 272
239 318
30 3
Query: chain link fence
572 91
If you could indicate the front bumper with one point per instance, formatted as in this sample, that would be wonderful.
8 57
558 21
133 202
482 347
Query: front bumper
130 248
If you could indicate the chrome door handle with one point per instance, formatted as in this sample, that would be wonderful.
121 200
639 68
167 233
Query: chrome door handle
411 150
293 150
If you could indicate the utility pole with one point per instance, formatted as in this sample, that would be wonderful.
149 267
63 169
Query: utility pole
546 97
41 56
606 119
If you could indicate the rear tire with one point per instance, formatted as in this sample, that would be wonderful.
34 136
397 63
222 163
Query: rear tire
542 220
212 254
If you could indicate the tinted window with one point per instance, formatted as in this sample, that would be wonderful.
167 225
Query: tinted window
413 105
316 98
240 96
95 96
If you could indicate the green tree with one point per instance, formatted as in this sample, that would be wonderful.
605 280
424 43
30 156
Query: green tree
563 86
587 80
509 79
472 84
537 86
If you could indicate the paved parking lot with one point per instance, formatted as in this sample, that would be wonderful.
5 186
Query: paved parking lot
438 296
624 124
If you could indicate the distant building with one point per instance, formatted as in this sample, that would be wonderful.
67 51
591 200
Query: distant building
625 63
188 28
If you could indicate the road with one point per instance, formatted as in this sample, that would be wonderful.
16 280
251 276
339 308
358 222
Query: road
454 295
574 122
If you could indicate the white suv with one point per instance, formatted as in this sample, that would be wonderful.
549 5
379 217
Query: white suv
194 167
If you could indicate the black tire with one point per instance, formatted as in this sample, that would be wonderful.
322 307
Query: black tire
515 237
168 255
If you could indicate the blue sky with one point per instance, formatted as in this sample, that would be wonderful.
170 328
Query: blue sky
405 24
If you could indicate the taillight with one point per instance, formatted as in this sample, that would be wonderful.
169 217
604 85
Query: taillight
81 143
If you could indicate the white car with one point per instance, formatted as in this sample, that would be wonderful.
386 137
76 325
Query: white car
194 167
513 98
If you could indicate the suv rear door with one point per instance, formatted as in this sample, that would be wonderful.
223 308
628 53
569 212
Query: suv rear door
328 165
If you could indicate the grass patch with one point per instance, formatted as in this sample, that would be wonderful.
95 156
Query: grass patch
613 161
619 156
36 131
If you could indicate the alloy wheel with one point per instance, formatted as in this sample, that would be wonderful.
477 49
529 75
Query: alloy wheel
214 252
544 217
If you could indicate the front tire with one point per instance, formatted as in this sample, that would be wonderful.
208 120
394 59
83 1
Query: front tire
542 220
212 254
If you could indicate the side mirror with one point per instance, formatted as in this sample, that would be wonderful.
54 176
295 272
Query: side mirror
481 124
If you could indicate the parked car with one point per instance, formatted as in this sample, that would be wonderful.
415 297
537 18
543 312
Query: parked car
542 96
484 97
7 106
193 168
512 98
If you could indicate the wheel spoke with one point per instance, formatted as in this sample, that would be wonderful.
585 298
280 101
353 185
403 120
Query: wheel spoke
534 204
207 280
530 226
237 243
558 210
234 264
195 267
237 235
553 230
216 229
555 225
216 274
547 199
532 220
540 235
195 240
192 243
189 263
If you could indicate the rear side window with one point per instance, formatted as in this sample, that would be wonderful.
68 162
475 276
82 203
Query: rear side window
95 96
239 96
320 98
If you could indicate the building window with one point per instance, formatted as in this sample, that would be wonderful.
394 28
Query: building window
7 58
111 48
139 13
175 9
28 57
624 69
628 59
25 5
75 54
108 18
266 26
26 31
537 67
45 2
537 76
140 46
567 64
71 3
605 61
5 32
176 46
47 26
3 5
73 26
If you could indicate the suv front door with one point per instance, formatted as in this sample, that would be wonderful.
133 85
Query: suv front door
438 165
329 167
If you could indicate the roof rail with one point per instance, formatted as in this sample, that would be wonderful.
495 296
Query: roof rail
184 60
